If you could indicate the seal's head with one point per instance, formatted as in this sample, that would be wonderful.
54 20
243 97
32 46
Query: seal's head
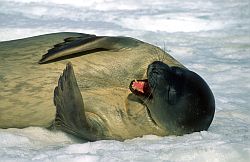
178 99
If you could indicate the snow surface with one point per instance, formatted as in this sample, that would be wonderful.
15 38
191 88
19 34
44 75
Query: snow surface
211 37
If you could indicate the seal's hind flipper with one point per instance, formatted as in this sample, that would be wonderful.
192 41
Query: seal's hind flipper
77 46
70 115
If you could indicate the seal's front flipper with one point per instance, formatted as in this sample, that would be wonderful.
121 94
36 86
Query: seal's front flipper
70 115
70 46
77 46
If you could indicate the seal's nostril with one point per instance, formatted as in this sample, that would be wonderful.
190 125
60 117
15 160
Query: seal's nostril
156 72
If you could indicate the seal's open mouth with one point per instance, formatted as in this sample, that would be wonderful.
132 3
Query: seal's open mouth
140 88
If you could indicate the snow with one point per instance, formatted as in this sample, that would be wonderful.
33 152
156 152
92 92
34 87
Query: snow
210 37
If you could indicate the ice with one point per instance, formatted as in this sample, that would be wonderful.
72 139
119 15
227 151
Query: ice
210 37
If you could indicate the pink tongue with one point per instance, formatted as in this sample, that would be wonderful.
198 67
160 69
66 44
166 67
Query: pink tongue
138 86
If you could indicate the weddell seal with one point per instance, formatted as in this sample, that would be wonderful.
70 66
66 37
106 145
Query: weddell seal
112 88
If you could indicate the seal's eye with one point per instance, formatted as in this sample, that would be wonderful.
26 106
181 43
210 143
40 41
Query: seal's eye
172 96
176 82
